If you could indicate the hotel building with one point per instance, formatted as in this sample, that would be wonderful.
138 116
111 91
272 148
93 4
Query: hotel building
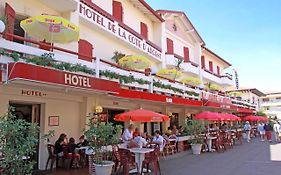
60 99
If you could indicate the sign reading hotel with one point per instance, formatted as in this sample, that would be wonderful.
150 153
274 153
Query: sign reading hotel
216 98
103 22
77 80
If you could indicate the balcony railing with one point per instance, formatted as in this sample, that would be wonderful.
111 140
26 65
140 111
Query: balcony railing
107 70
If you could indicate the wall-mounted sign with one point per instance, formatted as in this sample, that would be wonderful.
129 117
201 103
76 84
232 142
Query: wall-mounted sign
77 80
169 100
216 98
114 28
54 121
32 93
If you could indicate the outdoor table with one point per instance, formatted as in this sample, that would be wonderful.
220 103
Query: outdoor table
209 142
139 157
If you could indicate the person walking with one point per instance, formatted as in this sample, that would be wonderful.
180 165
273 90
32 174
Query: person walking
268 131
247 128
277 131
261 130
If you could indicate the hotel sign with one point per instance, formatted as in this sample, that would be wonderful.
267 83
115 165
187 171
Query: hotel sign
76 80
113 27
216 98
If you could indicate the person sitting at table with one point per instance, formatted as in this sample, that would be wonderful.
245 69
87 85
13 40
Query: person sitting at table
128 134
73 152
169 131
62 140
136 133
175 131
83 141
141 140
158 139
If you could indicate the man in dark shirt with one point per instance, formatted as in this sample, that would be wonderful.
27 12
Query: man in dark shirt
268 131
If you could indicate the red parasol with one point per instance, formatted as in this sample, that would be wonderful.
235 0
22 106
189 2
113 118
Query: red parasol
210 116
141 115
231 117
255 118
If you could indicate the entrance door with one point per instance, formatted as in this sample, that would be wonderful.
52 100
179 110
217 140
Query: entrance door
111 113
30 113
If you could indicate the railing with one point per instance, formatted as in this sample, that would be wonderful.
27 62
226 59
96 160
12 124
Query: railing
176 87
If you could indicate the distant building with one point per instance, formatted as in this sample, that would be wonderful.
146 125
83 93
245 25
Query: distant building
252 96
271 104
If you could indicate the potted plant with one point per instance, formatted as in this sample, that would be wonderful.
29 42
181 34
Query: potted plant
101 135
195 128
18 140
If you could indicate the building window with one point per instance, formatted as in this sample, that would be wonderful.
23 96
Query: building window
144 30
218 71
117 10
186 54
211 66
203 62
170 46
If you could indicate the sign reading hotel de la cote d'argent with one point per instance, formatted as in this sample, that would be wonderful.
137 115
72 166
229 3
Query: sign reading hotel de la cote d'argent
106 24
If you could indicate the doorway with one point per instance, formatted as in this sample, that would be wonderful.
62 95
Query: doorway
30 113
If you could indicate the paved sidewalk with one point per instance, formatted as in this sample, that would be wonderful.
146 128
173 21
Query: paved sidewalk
255 158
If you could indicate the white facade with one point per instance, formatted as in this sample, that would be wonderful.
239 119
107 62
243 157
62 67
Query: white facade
271 104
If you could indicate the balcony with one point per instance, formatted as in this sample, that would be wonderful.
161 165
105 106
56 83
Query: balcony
128 79
224 80
187 67
61 6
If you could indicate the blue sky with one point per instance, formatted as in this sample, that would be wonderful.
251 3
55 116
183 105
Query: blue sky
247 33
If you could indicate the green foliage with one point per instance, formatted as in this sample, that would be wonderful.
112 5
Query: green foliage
122 78
195 128
18 138
48 135
117 56
100 135
261 113
176 90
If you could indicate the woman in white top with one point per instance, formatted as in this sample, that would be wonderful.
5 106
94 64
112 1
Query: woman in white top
128 134
158 139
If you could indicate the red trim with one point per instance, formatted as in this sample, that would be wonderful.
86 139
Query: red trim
117 10
182 13
244 110
51 76
123 25
85 48
0 75
151 10
218 71
211 66
124 93
203 66
186 54
170 46
143 30
220 58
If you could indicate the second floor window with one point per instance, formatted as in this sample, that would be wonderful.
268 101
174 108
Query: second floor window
186 54
203 62
144 30
218 70
170 46
211 66
117 10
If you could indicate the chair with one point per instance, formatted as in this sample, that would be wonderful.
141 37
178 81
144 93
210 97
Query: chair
116 157
152 158
218 143
238 137
52 157
173 146
126 160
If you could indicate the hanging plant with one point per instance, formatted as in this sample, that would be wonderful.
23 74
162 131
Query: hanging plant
117 56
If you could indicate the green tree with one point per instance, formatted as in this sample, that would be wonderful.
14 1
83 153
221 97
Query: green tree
18 139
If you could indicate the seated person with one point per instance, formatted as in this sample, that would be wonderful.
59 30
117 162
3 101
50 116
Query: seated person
169 131
72 151
128 134
141 140
136 133
158 139
62 140
83 141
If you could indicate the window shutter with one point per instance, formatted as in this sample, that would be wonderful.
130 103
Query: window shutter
10 16
117 10
170 46
144 30
203 62
186 54
85 48
218 70
0 75
211 66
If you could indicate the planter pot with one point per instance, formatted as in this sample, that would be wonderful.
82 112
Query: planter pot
104 169
196 148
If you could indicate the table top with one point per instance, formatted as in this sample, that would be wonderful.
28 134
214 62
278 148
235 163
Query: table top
141 150
211 138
